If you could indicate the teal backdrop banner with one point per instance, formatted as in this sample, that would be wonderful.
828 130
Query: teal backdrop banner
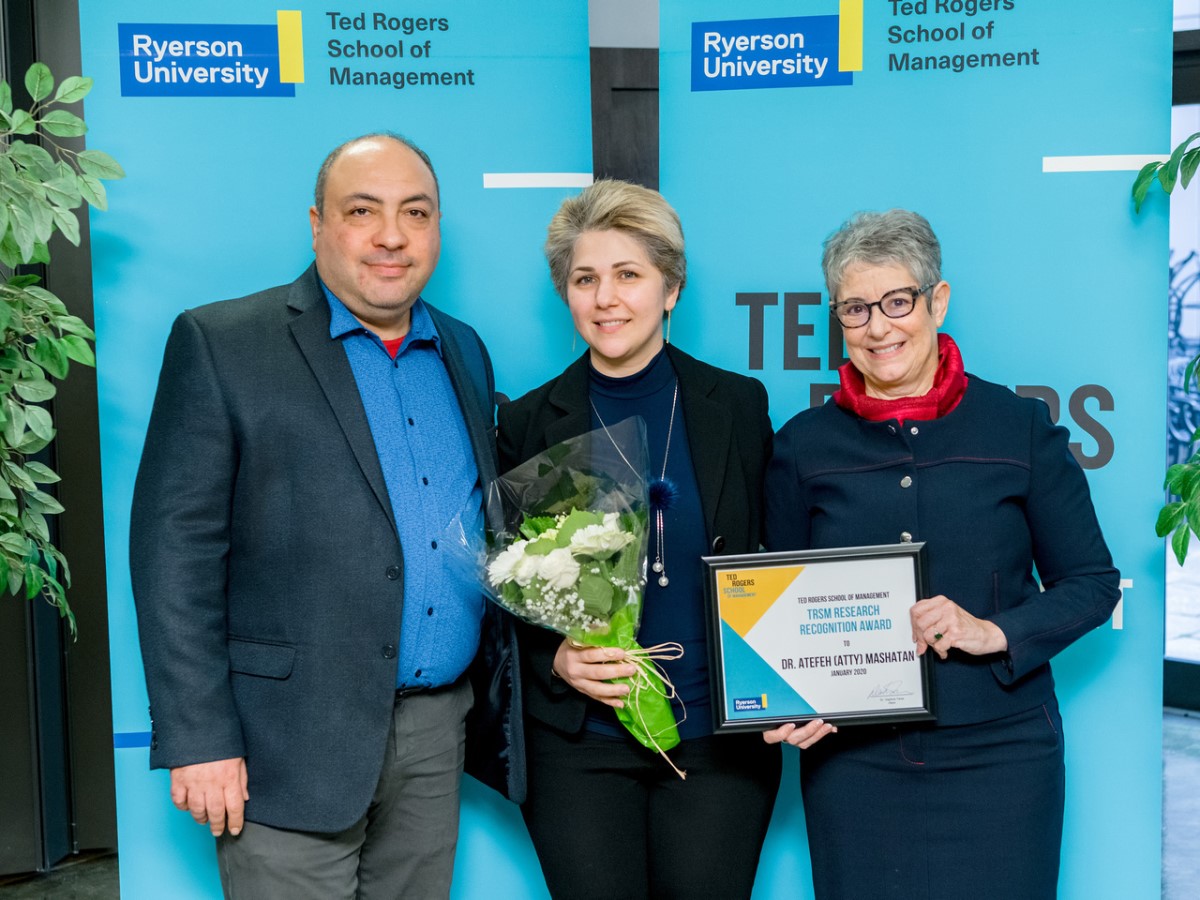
221 112
1010 125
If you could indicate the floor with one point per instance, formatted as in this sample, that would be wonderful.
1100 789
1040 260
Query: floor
95 878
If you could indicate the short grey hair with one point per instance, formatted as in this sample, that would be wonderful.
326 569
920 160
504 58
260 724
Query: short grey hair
898 236
611 205
336 152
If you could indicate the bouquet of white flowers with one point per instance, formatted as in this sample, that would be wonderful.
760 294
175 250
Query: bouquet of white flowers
567 550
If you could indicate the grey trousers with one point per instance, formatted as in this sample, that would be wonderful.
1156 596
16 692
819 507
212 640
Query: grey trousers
402 848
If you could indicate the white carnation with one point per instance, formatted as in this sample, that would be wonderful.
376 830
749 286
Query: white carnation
500 569
600 541
559 569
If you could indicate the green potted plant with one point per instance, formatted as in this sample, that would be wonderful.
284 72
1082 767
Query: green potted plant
42 183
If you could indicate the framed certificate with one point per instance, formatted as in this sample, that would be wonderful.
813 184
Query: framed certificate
816 634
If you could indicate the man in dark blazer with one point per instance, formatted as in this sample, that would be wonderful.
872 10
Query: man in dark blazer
305 638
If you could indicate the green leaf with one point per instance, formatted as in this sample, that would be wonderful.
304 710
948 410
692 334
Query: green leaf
63 191
18 544
23 281
40 501
6 313
10 253
1141 184
41 473
31 443
78 349
1169 517
34 158
33 582
99 164
61 123
40 254
39 82
36 391
14 474
14 427
1167 179
73 89
75 325
22 229
6 492
35 524
49 354
67 224
93 191
16 576
40 422
5 98
1188 170
22 122
1177 156
1179 542
1190 374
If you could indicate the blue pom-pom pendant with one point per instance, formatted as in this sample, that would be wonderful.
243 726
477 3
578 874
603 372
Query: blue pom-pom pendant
663 493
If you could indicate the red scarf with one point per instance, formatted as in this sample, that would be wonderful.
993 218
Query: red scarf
949 383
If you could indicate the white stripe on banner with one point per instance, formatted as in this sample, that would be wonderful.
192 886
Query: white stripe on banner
1130 162
536 179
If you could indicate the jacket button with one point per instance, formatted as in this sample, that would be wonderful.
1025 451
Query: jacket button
718 544
913 430
389 652
393 572
905 537
906 481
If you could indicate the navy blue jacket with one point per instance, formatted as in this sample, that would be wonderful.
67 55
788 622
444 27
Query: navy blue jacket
267 570
994 492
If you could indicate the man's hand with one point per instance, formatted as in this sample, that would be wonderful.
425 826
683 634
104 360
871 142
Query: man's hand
213 792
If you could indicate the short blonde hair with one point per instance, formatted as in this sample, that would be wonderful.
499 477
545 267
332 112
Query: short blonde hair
610 205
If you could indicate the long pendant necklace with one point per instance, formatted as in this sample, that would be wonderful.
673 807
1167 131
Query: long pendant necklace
662 490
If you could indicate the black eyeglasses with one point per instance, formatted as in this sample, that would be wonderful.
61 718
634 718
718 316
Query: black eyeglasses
895 305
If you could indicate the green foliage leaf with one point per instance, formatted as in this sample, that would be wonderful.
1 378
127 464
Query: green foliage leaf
31 443
1141 184
40 254
73 89
78 349
34 158
21 228
76 325
63 191
15 543
35 524
93 191
35 391
1166 178
67 224
14 474
41 473
39 82
40 501
22 122
1176 158
1190 374
14 425
50 355
1169 517
61 123
5 98
1188 170
10 253
1179 542
99 164
39 421
6 492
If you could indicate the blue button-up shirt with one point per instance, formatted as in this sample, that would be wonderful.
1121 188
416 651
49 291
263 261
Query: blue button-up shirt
432 480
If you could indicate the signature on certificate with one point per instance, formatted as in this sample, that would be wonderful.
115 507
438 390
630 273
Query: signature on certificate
891 689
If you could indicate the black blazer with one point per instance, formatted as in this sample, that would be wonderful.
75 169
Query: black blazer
729 436
266 566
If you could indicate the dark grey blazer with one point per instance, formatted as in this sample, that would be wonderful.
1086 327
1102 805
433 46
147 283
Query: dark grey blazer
267 569
729 436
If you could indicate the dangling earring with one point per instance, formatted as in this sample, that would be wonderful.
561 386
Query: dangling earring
574 337
668 326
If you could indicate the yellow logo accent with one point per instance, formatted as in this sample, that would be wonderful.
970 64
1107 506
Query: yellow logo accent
743 596
850 35
291 46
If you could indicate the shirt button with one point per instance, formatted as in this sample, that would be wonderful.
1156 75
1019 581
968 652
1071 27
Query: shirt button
892 429
392 573
906 481
417 674
388 651
905 537
429 611
913 430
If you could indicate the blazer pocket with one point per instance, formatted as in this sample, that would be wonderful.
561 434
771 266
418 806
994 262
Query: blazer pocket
258 658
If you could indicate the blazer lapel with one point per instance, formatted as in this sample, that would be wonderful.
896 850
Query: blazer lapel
709 428
328 362
475 399
570 396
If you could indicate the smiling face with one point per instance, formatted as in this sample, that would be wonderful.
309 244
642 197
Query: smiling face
617 299
897 357
378 238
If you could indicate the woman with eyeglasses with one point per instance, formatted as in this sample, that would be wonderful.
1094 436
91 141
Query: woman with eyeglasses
912 448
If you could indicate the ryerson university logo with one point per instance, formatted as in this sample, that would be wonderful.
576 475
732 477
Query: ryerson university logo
798 51
191 60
